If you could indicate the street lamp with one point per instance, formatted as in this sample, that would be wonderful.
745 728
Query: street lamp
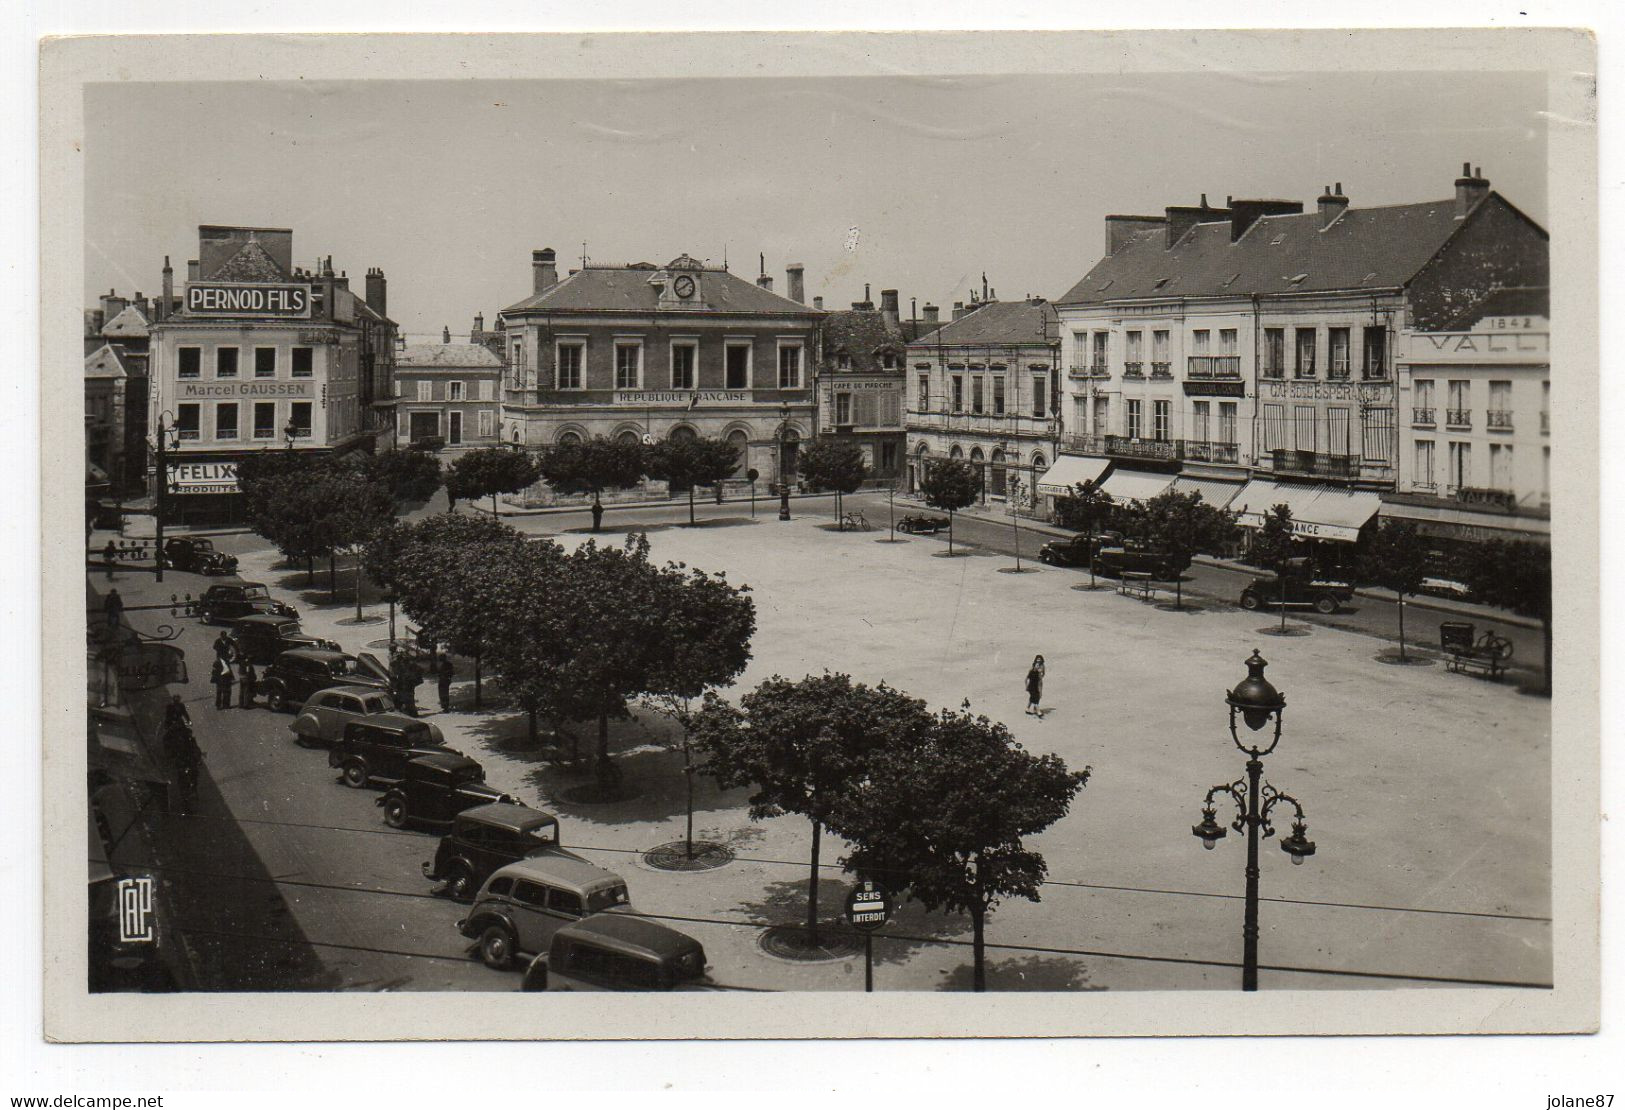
784 463
1258 703
391 597
166 437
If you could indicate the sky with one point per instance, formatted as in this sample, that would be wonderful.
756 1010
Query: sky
914 183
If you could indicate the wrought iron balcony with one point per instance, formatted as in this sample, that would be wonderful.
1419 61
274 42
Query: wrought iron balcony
1458 418
1315 464
1422 416
1131 448
1499 420
1134 371
1211 452
1213 366
1088 444
1273 373
1163 370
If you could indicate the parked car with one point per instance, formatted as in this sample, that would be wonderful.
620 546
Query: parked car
1446 588
922 524
322 718
297 674
1301 592
523 904
226 601
619 952
262 637
1073 551
485 838
197 554
436 787
1130 556
380 748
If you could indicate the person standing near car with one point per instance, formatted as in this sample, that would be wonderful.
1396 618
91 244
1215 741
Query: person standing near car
1035 687
113 609
109 555
225 649
247 681
444 673
222 679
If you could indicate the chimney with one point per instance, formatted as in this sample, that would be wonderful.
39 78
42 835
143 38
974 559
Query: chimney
141 304
1120 229
765 282
377 291
445 335
1331 205
795 282
1245 213
544 271
929 314
1470 189
168 297
959 309
818 303
98 321
194 269
888 309
479 328
1179 219
112 304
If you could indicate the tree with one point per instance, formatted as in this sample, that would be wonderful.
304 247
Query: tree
488 471
593 467
1396 558
1085 508
1517 575
686 463
1182 524
803 746
410 476
944 818
1273 548
948 486
833 464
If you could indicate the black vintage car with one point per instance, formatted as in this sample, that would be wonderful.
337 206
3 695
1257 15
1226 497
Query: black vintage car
380 747
1301 592
1139 559
295 675
1074 550
197 555
922 524
226 601
262 637
485 838
434 788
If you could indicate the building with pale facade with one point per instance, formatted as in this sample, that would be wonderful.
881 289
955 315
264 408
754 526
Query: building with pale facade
448 393
860 383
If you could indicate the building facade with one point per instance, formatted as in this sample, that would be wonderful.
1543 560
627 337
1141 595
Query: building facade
261 354
106 376
641 353
1249 352
122 324
984 388
450 392
860 382
1475 440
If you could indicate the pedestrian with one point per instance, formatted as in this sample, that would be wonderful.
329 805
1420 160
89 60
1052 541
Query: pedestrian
109 554
225 648
222 679
597 514
1035 687
444 673
414 679
247 681
113 609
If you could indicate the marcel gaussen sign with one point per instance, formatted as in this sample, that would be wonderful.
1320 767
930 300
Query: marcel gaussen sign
248 389
286 300
203 477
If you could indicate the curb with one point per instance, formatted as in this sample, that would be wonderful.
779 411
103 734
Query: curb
674 503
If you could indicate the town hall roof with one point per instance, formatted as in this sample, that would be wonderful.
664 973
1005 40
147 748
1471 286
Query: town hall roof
629 289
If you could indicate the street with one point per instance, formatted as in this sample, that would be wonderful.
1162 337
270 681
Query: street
1420 787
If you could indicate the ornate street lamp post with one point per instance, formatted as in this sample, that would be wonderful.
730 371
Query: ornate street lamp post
1258 702
165 437
784 463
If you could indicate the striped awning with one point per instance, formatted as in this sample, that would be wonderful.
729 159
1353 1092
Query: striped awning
1136 485
1068 471
1215 491
1319 511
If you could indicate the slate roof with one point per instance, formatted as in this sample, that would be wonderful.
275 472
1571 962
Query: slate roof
624 289
128 324
860 332
446 356
1522 300
107 361
998 323
251 263
1364 248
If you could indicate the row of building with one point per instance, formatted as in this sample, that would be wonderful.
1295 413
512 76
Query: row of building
1350 362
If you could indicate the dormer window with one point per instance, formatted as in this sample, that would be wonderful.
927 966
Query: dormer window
888 360
843 361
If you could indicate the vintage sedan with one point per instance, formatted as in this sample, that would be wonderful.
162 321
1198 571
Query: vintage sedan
434 788
321 719
379 748
1074 551
922 524
619 952
226 601
485 838
523 904
262 637
198 555
1300 592
300 673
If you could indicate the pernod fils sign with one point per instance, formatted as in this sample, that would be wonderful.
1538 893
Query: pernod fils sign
223 298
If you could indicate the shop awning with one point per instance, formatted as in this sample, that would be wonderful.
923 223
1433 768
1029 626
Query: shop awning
1318 511
1215 491
1136 485
1068 471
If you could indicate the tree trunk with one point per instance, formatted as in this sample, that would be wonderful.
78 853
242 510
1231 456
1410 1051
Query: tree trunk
358 588
332 580
603 740
310 570
1091 554
812 885
950 532
1179 591
688 777
691 504
493 505
978 951
1282 574
1400 594
530 712
476 680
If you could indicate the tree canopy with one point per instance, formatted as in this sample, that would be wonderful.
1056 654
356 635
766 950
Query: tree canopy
488 471
1274 547
948 486
1516 575
833 464
1184 525
593 466
1396 557
686 463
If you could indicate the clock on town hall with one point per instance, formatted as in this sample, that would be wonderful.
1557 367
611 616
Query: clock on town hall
683 286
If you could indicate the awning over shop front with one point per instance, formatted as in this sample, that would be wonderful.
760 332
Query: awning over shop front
1318 511
1068 471
1136 485
1214 491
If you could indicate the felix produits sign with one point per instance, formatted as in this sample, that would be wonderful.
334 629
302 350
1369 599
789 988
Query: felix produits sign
224 298
203 477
